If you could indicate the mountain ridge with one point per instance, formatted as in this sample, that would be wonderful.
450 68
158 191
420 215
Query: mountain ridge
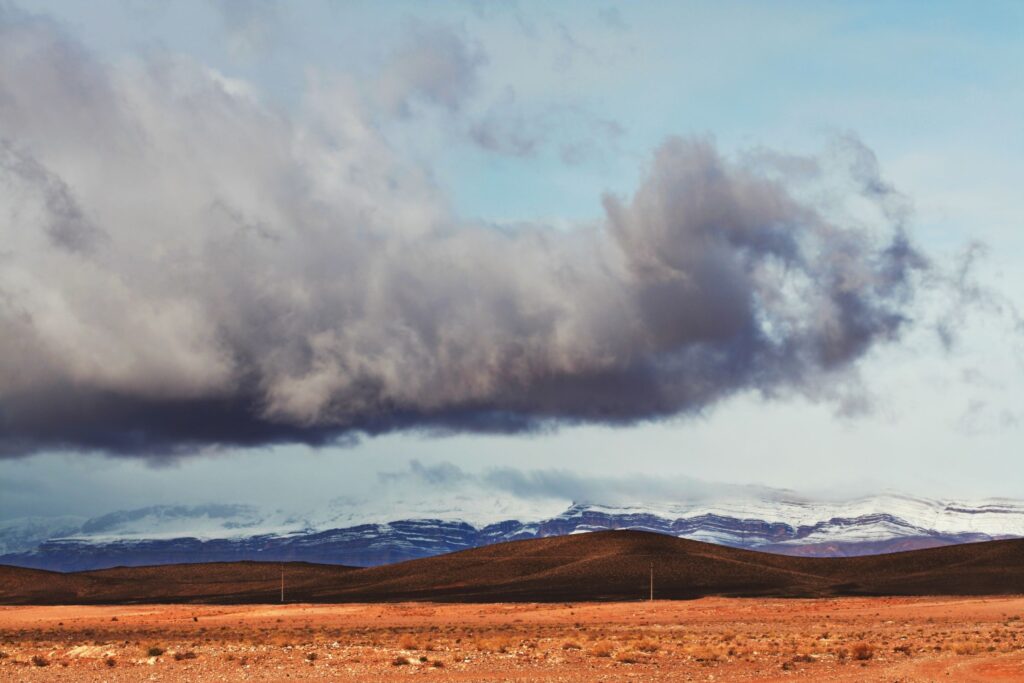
223 532
607 565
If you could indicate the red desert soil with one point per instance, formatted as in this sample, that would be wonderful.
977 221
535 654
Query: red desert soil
711 639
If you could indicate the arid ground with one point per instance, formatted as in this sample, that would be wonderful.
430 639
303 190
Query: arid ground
720 639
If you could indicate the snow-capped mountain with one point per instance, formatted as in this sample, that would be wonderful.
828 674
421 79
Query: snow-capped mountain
25 533
361 533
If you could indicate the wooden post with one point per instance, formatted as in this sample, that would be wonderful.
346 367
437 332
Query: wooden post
652 580
282 583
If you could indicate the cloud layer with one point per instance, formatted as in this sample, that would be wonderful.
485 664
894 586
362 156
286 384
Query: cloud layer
183 267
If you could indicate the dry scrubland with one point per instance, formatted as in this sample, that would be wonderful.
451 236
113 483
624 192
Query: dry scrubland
885 639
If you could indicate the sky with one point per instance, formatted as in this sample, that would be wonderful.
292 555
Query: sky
286 253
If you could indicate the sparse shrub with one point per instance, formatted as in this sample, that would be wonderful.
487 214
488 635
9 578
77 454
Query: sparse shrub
497 644
902 649
604 648
437 664
40 660
408 643
178 656
311 656
3 655
155 651
862 652
111 662
629 657
649 646
399 661
571 645
113 618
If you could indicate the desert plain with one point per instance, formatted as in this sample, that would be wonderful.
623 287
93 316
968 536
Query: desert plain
709 639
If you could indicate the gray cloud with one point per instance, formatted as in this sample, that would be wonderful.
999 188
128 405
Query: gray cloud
250 26
507 128
567 485
264 279
435 65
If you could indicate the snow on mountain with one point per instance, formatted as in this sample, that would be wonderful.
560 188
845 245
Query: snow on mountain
350 531
25 533
474 510
864 519
175 521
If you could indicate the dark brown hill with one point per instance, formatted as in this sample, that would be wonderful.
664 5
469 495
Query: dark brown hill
215 582
606 565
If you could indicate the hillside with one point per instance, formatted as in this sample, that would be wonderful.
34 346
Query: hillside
610 565
215 582
385 534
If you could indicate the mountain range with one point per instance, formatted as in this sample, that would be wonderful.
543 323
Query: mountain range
604 565
337 535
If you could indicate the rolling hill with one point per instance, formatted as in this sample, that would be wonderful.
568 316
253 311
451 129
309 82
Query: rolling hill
607 565
385 534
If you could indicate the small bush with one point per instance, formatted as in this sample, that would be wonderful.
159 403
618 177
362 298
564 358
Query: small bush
311 657
902 649
178 656
40 660
651 647
863 652
155 651
571 645
437 664
629 657
603 649
399 661
111 662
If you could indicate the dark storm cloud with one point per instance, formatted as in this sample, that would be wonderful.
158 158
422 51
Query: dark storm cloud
265 280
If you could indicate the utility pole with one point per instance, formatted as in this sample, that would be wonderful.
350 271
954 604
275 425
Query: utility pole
282 583
652 580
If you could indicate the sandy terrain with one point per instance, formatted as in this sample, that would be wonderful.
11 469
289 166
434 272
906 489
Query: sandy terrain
712 639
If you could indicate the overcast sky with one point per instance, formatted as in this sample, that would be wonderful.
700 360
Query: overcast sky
277 253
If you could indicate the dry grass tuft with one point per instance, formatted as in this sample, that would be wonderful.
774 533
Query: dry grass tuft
862 652
647 645
629 657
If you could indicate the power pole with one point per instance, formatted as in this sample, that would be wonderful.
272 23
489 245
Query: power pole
282 583
652 580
